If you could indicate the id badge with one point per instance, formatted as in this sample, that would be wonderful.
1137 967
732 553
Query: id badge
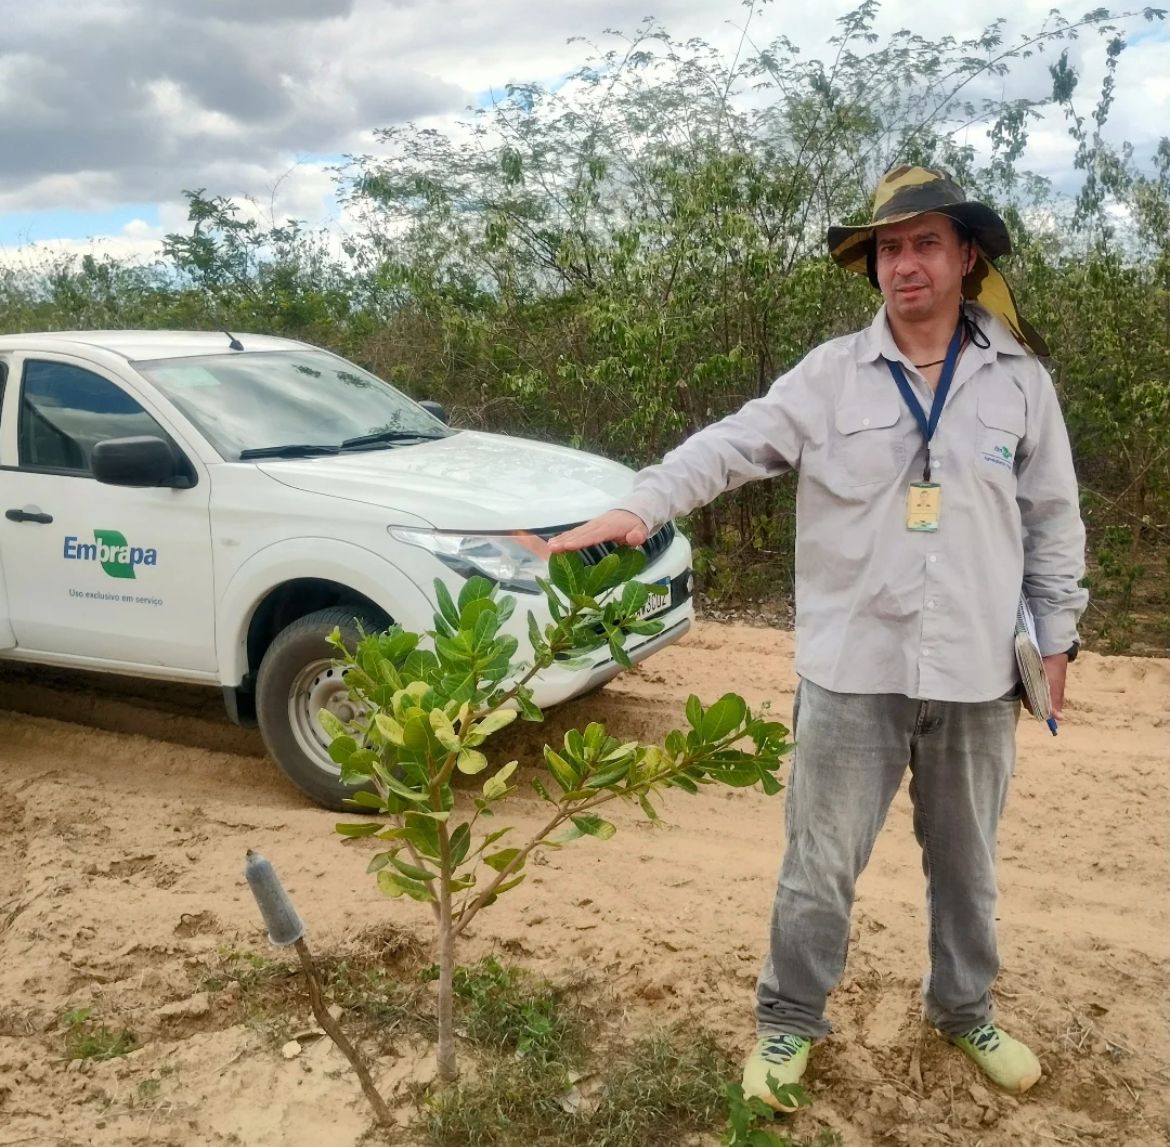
923 504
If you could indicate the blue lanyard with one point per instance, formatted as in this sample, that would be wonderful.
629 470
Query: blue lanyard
927 426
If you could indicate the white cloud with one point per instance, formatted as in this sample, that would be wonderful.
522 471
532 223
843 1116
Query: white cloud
108 102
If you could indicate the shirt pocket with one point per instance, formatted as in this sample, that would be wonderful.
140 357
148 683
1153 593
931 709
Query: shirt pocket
868 447
999 428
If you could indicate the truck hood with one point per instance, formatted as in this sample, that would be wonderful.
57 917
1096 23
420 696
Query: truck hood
469 481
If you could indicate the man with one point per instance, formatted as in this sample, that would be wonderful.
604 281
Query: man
935 479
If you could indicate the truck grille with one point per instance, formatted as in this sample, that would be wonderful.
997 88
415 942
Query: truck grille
653 547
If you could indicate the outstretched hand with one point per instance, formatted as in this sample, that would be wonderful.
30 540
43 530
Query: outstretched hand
613 526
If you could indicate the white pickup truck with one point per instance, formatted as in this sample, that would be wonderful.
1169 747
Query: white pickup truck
206 507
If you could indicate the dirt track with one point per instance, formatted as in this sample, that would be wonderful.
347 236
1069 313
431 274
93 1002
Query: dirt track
126 821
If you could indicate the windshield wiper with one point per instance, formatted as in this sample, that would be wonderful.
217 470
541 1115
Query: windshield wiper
290 450
380 436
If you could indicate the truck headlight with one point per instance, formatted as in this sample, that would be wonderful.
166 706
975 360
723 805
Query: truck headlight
514 560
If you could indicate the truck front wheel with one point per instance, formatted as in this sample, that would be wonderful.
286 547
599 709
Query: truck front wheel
297 680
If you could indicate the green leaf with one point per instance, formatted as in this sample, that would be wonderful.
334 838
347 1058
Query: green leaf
592 825
366 828
475 611
650 811
635 594
507 884
541 791
342 748
471 761
610 776
761 1138
561 772
564 570
474 589
577 795
404 791
378 861
643 628
695 712
555 607
423 833
500 860
394 884
600 576
789 1093
460 844
366 800
359 767
415 735
738 774
535 637
618 653
446 606
411 870
633 562
725 715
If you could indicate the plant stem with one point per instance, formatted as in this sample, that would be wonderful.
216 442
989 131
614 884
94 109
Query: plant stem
331 1028
448 1068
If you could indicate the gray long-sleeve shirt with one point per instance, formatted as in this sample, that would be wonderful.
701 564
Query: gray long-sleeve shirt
881 608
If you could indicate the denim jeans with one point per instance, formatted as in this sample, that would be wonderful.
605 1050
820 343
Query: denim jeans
851 752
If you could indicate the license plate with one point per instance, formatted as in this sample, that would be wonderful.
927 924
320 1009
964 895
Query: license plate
656 603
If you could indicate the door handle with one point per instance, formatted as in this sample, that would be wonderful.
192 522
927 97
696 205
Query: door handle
28 516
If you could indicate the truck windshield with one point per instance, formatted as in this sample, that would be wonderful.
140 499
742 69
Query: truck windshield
257 400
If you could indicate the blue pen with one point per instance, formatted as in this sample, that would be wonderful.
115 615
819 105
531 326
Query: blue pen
1051 723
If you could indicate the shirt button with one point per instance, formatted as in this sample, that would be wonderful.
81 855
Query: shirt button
865 422
930 604
934 557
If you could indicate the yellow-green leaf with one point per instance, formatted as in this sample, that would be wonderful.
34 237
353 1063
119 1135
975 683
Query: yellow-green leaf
494 722
471 761
495 787
390 729
445 731
331 723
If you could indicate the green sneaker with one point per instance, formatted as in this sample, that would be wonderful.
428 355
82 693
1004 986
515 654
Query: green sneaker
779 1058
1005 1061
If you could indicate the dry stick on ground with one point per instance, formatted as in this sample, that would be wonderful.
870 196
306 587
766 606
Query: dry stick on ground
285 927
333 1031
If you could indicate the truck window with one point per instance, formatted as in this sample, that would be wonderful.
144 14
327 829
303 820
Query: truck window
65 411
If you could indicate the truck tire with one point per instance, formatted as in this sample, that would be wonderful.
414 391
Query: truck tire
297 680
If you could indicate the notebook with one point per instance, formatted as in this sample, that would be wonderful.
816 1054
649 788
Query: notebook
1031 666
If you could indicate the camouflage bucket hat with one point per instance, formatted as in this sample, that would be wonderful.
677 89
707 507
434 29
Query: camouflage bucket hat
906 192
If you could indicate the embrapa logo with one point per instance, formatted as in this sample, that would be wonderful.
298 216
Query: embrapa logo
109 547
1000 455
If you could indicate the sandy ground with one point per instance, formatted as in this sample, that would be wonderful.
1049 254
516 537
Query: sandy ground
125 823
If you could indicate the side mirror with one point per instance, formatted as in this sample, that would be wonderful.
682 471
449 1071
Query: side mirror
140 461
436 409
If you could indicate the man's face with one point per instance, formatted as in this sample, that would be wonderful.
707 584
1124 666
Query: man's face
920 266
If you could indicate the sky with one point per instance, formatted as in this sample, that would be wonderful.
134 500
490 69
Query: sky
109 109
